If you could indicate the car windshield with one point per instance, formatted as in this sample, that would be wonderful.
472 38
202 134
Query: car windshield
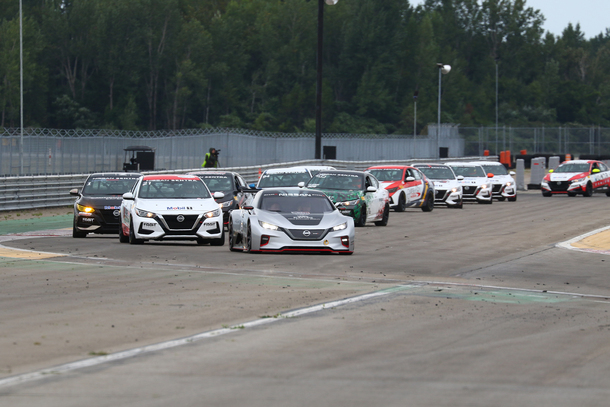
437 172
495 169
173 189
108 186
283 179
341 181
218 182
297 203
468 171
387 174
573 167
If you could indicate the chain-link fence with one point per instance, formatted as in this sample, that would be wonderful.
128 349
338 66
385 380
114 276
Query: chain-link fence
576 141
48 151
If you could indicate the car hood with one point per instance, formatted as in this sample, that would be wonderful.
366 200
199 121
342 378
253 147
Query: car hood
340 196
474 181
290 220
445 183
177 205
565 176
101 202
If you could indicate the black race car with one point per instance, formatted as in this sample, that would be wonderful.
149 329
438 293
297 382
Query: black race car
231 184
98 206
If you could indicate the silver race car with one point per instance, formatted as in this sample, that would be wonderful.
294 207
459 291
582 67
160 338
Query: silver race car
291 219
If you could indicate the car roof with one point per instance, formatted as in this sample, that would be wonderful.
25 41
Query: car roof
199 173
342 172
166 177
580 162
430 165
286 170
389 167
116 174
464 164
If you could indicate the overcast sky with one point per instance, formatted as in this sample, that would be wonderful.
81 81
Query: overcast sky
593 15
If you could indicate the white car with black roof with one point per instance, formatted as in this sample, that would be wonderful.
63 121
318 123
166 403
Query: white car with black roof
447 185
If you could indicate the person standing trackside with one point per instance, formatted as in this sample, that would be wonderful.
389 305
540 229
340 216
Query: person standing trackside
211 159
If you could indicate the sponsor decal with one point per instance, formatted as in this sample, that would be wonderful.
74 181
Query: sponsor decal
209 224
112 207
149 224
177 208
87 219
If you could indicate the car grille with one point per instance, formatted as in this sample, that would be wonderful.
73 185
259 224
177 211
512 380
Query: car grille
469 190
307 234
187 224
109 218
439 194
496 188
559 185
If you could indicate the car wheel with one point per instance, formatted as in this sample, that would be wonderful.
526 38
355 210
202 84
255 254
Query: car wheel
77 233
248 245
132 235
608 193
122 237
571 194
512 199
547 194
385 216
361 218
589 190
429 205
460 205
219 241
402 203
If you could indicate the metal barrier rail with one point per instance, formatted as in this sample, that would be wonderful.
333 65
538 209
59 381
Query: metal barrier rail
32 192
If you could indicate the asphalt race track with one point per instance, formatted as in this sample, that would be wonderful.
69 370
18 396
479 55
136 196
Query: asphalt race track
471 307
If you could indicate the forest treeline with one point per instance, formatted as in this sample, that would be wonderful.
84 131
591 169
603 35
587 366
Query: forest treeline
173 64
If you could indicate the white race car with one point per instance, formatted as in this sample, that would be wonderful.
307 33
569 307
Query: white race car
577 177
476 185
502 183
283 177
291 219
171 207
447 187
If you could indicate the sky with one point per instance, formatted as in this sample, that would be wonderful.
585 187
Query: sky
593 15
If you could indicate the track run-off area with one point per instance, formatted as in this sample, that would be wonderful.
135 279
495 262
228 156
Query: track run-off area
504 304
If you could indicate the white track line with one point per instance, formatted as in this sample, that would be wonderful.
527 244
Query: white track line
68 367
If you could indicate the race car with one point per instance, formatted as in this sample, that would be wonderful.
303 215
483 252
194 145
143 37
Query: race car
502 183
98 203
447 187
406 185
476 185
291 219
171 207
231 184
577 177
356 194
283 177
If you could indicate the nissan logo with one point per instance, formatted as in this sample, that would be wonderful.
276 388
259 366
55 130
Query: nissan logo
306 233
180 218
116 213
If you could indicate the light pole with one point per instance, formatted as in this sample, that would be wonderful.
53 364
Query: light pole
319 75
442 70
21 87
415 94
496 106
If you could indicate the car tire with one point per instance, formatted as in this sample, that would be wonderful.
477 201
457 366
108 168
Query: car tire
571 194
459 205
132 236
122 237
512 199
588 190
384 217
608 193
402 203
429 204
362 218
547 194
77 233
248 245
219 241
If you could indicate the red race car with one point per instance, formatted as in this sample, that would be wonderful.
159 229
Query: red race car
407 186
577 177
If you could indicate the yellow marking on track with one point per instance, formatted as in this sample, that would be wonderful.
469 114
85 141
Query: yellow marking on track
26 254
598 241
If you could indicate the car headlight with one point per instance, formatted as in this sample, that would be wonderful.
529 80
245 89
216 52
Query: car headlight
349 203
392 190
86 209
508 184
268 225
212 214
484 186
340 227
576 181
455 189
145 214
225 204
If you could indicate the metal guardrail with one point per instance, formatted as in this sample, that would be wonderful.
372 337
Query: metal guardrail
47 191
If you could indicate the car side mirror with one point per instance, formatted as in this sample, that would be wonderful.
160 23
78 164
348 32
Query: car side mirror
301 184
74 191
550 171
460 178
512 173
218 195
595 171
252 185
410 179
371 189
128 196
490 175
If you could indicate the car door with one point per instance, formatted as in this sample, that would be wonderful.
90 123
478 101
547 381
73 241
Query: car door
376 200
414 185
601 178
127 205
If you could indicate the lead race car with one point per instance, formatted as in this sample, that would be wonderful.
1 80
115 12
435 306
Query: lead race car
577 177
171 207
291 219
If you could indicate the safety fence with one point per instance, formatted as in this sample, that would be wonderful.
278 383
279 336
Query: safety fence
28 192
